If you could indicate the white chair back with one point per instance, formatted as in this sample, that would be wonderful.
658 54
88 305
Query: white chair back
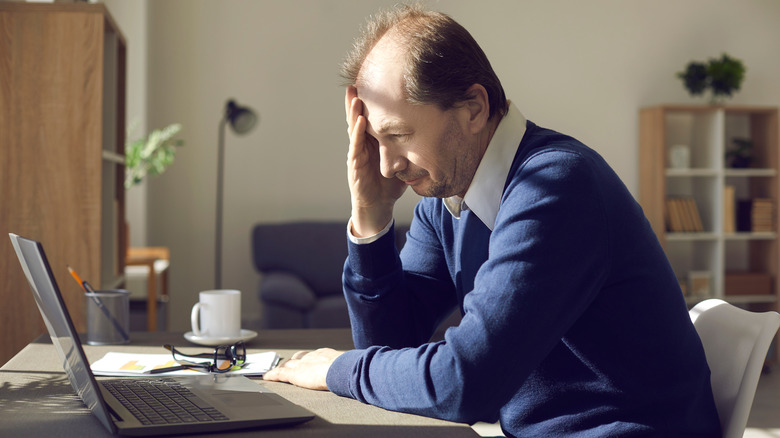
735 342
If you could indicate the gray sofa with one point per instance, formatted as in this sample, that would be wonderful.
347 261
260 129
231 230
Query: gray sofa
301 265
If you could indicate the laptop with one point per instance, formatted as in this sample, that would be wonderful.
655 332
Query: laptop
227 401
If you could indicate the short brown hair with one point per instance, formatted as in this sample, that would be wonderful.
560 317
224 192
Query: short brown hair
443 59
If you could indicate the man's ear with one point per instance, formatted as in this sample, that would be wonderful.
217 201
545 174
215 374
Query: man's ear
478 107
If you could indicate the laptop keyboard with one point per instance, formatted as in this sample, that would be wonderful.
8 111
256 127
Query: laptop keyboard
161 401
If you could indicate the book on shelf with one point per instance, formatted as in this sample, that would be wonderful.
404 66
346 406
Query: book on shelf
672 215
683 215
729 211
693 211
755 215
762 215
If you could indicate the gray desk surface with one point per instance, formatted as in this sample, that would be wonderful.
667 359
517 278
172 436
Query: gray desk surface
36 398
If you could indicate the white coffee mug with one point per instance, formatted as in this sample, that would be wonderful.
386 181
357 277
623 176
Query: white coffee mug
217 314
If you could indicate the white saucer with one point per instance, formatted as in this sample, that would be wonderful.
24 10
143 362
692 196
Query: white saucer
213 342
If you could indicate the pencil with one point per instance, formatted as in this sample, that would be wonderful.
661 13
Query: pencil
77 278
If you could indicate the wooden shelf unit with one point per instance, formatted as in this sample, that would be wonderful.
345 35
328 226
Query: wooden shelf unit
62 132
708 132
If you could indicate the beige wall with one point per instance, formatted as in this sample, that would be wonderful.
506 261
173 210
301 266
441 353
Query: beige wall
581 67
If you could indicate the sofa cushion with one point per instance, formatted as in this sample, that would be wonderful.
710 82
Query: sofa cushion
314 251
285 289
330 312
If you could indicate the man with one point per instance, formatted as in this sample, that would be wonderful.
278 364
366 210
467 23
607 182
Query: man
572 320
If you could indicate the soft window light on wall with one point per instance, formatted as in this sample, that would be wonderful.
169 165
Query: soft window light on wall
241 120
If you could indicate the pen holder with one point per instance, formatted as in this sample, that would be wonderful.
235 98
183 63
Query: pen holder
108 317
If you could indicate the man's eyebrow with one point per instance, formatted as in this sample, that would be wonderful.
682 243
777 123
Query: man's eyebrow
390 125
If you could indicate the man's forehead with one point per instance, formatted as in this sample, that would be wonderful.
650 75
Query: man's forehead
380 86
385 110
381 89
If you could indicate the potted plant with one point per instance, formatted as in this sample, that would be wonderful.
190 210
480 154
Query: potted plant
151 155
741 155
723 76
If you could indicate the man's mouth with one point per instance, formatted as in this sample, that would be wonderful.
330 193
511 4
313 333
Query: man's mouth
410 179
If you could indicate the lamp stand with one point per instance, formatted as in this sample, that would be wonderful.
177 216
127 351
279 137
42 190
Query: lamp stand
220 189
241 120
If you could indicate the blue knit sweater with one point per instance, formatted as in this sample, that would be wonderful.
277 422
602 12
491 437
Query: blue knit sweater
573 320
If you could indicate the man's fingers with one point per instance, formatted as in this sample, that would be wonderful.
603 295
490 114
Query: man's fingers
356 123
357 139
274 374
299 354
283 371
307 369
347 103
349 96
355 111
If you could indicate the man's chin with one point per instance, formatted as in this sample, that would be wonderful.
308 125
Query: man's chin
420 192
431 191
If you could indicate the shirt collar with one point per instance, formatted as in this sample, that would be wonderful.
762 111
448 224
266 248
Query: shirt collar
483 196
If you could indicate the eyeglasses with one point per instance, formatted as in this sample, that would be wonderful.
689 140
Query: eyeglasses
224 358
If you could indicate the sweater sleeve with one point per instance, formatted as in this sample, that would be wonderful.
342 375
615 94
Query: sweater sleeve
548 258
393 303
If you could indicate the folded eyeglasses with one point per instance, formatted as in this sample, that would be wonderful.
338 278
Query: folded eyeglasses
224 358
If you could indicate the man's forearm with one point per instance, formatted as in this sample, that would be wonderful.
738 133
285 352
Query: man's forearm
367 222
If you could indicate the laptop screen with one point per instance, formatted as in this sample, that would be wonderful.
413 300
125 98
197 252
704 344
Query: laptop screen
63 334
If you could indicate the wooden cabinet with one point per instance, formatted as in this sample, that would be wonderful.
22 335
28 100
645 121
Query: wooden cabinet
717 258
62 116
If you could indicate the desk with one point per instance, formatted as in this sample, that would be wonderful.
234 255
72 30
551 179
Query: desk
36 398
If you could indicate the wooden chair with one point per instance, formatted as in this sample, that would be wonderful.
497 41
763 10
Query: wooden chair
156 259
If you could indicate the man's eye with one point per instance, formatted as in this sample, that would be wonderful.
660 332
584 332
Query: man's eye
398 136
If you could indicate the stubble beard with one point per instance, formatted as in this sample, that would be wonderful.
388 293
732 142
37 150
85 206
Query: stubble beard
463 168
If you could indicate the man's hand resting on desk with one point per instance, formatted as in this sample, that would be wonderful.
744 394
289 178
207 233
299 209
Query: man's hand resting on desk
307 369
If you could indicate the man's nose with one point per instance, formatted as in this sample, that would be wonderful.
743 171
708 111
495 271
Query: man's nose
390 161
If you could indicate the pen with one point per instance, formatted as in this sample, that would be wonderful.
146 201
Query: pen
167 369
91 293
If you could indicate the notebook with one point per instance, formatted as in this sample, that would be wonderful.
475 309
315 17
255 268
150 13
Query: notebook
226 402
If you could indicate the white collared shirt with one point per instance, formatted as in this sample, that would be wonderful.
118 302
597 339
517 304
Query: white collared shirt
483 196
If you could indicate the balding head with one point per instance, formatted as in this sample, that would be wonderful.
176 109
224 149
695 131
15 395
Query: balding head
439 59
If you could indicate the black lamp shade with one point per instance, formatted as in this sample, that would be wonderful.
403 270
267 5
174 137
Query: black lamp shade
240 119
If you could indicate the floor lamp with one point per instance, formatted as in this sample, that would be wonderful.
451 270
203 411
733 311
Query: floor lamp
241 120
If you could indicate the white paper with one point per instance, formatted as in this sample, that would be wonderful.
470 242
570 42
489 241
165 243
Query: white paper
133 364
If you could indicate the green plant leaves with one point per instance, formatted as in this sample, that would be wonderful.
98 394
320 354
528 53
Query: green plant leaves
726 75
722 75
150 156
694 77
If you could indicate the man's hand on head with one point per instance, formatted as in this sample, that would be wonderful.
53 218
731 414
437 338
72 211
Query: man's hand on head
373 195
307 369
